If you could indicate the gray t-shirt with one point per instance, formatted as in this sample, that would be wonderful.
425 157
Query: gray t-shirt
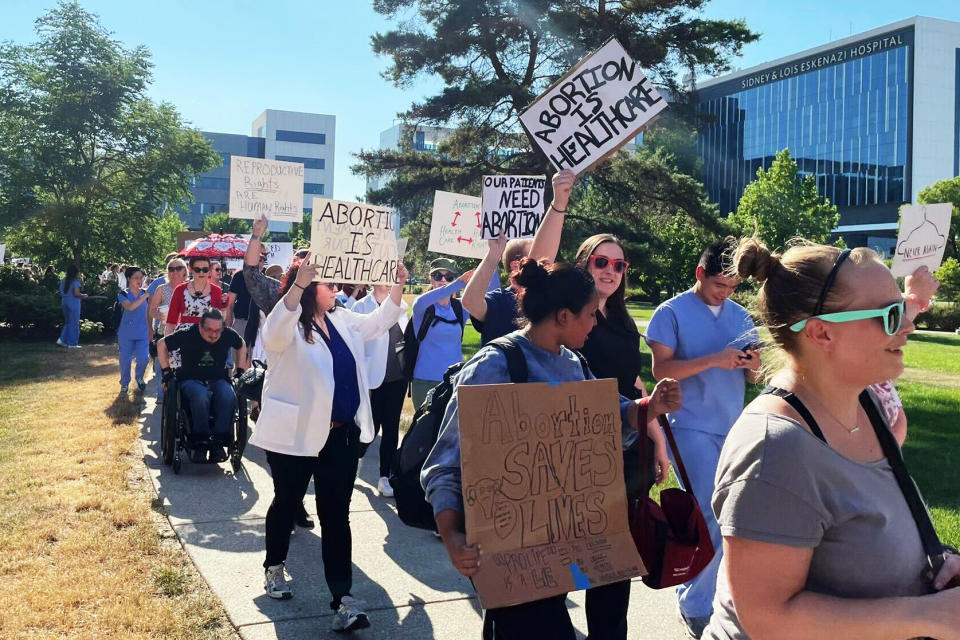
778 483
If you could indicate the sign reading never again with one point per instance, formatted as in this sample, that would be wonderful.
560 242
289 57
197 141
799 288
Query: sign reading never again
270 188
512 205
543 490
593 110
353 242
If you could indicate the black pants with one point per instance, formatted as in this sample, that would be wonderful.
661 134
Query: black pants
386 402
334 471
546 618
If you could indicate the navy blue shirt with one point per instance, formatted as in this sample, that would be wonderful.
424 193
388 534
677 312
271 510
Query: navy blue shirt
346 390
502 314
241 307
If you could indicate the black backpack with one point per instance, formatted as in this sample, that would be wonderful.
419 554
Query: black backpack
412 505
408 348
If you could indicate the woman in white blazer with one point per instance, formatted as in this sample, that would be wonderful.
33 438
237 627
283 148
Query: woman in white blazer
388 386
314 415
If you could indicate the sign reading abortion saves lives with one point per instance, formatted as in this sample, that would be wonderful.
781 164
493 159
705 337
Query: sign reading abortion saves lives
353 242
512 205
269 188
593 110
543 489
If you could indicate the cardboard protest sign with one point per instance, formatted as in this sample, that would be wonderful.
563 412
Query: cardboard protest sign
543 489
512 205
593 110
455 229
922 238
353 242
271 188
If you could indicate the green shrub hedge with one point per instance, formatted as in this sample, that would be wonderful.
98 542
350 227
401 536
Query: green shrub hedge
32 307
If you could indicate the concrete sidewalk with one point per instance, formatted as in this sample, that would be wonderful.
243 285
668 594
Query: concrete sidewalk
403 574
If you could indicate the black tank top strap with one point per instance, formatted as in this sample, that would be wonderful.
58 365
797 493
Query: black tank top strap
798 406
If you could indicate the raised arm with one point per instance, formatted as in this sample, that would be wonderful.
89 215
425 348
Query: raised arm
474 295
546 242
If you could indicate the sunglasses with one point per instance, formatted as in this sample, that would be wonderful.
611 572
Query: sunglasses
175 268
201 269
437 276
216 269
892 316
601 262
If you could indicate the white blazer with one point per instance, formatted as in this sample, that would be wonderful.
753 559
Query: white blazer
298 388
375 350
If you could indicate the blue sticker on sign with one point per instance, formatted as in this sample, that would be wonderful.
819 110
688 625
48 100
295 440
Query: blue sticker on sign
580 579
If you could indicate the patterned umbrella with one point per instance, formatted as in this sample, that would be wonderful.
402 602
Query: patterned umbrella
216 245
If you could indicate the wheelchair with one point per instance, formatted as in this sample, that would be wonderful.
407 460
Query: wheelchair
176 433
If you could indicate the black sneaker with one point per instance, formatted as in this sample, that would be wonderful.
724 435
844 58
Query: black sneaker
304 521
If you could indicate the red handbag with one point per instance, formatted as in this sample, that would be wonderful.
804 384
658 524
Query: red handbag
672 536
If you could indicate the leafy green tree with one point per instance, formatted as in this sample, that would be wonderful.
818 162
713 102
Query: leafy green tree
223 223
780 205
300 232
945 191
87 161
494 57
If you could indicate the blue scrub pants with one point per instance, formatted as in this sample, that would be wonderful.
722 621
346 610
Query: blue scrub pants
198 397
71 325
131 348
701 454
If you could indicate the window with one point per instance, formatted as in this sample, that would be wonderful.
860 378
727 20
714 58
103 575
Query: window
226 158
212 183
308 163
284 135
313 187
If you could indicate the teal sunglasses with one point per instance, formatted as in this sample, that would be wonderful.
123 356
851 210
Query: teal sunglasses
892 317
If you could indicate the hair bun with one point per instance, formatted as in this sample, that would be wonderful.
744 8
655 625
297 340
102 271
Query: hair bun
530 273
754 260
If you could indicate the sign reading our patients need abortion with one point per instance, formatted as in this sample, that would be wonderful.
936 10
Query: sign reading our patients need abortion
543 490
455 229
512 205
270 188
593 110
353 242
923 237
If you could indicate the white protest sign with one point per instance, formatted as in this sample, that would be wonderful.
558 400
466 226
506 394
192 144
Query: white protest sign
353 242
280 253
512 205
923 237
3 251
270 188
455 228
593 110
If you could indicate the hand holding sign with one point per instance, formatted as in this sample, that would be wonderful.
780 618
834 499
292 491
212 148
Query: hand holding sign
562 186
306 273
922 238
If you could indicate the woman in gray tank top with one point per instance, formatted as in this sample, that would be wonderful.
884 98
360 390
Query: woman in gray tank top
818 539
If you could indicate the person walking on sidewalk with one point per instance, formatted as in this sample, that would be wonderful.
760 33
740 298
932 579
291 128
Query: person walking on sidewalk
133 334
709 344
314 417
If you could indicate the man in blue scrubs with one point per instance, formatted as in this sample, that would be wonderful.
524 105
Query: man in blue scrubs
709 344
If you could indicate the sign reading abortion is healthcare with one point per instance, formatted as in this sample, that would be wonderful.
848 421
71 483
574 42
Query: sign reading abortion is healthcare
353 242
593 110
512 205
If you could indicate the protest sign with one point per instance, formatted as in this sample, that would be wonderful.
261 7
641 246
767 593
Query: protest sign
922 238
593 110
512 205
3 252
455 229
543 489
271 188
353 242
280 253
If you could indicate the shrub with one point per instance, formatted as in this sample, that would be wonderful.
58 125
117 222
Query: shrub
26 303
90 330
940 317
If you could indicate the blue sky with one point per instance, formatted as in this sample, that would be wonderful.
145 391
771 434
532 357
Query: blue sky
222 62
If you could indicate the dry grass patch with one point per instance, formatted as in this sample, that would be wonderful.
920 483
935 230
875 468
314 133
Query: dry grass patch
84 553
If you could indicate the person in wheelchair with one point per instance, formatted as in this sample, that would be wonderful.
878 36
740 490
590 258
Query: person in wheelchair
203 379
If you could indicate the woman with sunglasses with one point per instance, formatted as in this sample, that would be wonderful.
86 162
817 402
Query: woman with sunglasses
613 351
442 344
314 416
191 299
818 539
160 305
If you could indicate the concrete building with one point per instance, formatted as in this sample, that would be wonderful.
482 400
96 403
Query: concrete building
874 117
292 136
419 137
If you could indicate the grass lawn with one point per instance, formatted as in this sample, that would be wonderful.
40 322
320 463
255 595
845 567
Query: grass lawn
84 553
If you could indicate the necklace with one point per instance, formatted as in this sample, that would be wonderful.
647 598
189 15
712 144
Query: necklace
850 431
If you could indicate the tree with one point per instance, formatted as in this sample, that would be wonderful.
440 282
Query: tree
945 191
223 223
87 161
949 276
495 57
780 205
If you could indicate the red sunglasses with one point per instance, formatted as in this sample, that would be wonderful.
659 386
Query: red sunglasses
601 262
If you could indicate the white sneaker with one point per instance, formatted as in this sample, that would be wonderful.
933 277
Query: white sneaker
275 583
350 615
383 486
61 343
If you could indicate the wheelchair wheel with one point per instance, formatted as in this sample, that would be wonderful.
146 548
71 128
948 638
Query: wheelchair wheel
168 426
177 462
